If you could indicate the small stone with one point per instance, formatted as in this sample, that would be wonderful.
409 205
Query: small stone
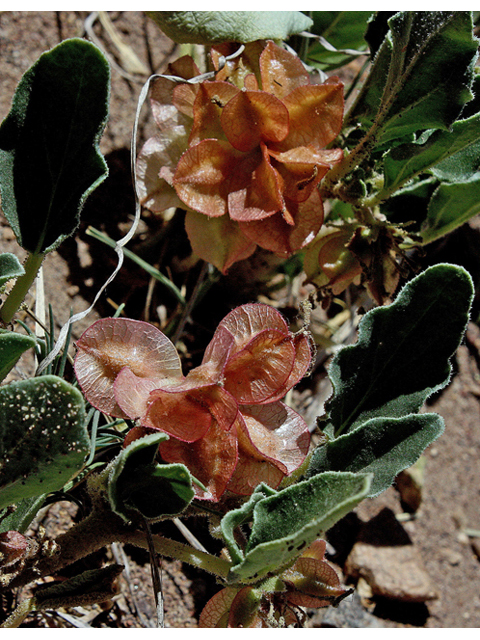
451 556
385 557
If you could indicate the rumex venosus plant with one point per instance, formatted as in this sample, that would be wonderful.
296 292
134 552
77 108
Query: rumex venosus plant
259 154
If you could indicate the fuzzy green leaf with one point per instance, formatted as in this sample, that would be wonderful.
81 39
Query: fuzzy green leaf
286 523
456 154
382 446
43 440
450 206
24 513
343 30
422 74
49 143
10 268
12 345
90 587
403 350
236 517
137 484
209 27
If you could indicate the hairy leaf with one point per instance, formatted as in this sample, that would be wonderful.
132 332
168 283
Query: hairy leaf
236 517
455 154
12 345
422 74
138 484
208 27
49 144
382 446
343 30
403 350
43 440
10 267
25 512
450 206
305 510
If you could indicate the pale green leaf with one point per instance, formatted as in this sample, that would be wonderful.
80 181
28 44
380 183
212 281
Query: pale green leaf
209 27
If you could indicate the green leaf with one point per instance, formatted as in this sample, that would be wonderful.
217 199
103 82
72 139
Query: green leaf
236 517
137 484
43 440
12 345
209 27
382 446
450 206
90 587
49 144
421 76
454 156
25 512
10 268
343 30
286 523
403 350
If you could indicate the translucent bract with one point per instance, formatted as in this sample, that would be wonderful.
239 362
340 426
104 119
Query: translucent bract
225 419
243 154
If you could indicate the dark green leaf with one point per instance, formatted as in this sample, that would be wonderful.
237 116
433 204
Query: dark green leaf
12 345
49 144
343 30
403 350
455 154
90 587
450 206
10 267
138 484
208 27
237 517
422 74
43 440
287 522
382 446
25 512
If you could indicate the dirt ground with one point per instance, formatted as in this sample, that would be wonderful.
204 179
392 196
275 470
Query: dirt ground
442 530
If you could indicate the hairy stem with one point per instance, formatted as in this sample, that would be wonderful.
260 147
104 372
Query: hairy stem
101 528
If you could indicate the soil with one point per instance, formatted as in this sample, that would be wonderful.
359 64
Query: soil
73 274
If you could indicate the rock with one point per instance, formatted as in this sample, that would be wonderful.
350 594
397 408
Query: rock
349 614
451 556
386 559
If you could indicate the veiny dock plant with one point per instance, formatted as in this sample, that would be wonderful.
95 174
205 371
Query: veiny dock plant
258 152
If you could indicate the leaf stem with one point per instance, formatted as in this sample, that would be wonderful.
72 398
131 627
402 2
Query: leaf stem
21 287
101 528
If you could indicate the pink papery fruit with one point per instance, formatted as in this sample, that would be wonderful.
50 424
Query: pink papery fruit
112 344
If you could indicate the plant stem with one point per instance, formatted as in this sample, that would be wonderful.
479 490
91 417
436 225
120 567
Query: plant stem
21 287
101 528
19 614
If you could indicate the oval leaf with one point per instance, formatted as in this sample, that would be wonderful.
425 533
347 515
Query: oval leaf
49 143
12 345
43 440
305 511
207 27
137 484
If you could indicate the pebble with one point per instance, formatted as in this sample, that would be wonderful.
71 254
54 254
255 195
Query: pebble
386 559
